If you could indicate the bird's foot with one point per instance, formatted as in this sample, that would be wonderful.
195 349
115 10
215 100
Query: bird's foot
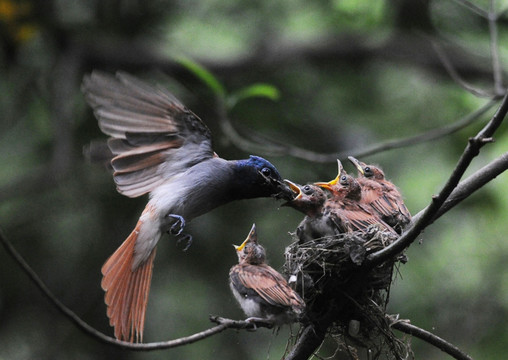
255 320
185 238
177 225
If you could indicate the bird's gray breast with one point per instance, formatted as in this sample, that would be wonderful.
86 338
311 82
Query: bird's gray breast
196 191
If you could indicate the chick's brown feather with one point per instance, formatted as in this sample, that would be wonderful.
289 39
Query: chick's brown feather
268 284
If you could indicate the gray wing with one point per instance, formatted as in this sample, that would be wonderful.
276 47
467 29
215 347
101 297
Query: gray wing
152 134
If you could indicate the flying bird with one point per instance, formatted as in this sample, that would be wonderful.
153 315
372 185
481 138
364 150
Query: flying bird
261 291
345 206
163 149
382 195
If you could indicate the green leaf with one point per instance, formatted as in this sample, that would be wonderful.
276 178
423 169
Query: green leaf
204 75
255 90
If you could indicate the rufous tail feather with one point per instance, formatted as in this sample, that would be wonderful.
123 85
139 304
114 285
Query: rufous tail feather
127 289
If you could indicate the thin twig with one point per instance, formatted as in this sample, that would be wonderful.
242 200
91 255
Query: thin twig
468 186
474 8
450 349
471 151
494 50
455 75
276 148
223 323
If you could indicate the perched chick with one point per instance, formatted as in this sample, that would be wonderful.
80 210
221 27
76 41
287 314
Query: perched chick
345 207
261 291
381 195
309 200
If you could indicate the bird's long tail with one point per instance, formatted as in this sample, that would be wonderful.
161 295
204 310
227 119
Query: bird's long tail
127 289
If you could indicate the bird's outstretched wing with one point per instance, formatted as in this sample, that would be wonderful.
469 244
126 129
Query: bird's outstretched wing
152 134
268 284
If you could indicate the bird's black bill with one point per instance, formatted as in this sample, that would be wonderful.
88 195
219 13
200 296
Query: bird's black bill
285 191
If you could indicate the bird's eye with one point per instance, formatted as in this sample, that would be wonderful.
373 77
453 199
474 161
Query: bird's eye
266 171
343 179
368 171
307 189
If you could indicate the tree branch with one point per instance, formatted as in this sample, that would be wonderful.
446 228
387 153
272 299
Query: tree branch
468 186
309 340
352 48
441 344
277 148
455 75
474 8
494 49
416 227
223 323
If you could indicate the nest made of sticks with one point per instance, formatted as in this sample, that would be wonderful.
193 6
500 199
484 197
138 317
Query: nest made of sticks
349 299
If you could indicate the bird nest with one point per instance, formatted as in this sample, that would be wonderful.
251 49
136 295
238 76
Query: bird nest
342 296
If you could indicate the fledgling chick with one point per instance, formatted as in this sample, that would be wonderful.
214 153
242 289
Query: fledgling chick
310 200
261 291
382 195
345 207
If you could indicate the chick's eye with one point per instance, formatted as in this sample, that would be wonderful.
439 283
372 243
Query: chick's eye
368 170
266 171
307 189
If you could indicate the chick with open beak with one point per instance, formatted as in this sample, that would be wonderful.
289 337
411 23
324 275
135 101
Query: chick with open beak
345 208
262 292
310 200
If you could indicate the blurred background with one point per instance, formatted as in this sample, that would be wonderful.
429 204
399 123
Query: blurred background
341 76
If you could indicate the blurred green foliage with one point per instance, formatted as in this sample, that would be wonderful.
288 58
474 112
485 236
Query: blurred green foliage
327 76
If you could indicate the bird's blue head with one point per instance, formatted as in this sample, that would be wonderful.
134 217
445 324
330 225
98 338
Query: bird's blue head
263 166
257 177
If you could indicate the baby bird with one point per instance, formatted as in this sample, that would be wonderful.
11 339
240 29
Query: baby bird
262 292
381 195
309 200
345 206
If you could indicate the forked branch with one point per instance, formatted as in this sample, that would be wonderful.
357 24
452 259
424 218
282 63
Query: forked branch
429 214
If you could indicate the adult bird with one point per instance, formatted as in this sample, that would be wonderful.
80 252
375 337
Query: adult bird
345 206
382 195
310 200
163 149
262 292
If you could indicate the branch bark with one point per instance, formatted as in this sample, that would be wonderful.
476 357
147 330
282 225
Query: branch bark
309 341
470 185
472 150
441 344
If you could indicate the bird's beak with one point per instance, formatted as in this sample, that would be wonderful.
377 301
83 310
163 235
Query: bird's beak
357 164
295 189
328 185
286 191
251 237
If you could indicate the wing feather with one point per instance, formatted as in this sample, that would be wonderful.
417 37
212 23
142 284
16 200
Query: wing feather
270 285
153 135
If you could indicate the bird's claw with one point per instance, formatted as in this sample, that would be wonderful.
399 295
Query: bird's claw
187 238
178 224
254 320
252 323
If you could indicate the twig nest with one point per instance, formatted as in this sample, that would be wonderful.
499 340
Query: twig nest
342 295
